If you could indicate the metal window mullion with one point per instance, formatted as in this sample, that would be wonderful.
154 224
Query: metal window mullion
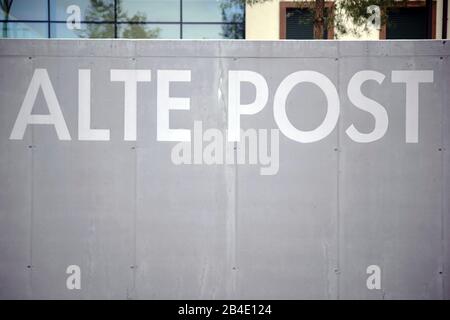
243 22
181 19
115 19
48 19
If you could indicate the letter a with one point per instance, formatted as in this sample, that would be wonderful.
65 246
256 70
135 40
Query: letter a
40 79
74 280
374 280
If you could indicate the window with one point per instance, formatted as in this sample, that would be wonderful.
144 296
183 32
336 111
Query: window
142 19
408 21
297 20
19 10
24 30
149 31
150 10
89 10
213 11
87 30
213 31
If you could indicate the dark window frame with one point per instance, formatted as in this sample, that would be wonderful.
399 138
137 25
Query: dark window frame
284 5
413 4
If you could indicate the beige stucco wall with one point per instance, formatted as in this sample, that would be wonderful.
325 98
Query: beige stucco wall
439 15
263 23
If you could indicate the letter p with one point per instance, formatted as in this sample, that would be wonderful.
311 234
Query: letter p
235 108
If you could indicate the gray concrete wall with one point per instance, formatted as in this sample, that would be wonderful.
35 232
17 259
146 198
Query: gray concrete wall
141 227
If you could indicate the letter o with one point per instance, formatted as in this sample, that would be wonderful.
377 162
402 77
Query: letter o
279 106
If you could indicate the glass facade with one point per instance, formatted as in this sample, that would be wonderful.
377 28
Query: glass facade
137 19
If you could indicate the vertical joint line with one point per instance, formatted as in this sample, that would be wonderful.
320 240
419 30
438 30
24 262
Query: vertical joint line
135 265
135 222
444 254
235 224
30 267
338 204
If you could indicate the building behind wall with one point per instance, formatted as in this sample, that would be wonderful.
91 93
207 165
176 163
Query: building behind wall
143 19
202 19
275 19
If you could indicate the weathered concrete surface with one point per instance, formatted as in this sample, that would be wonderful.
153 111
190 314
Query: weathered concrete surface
142 227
